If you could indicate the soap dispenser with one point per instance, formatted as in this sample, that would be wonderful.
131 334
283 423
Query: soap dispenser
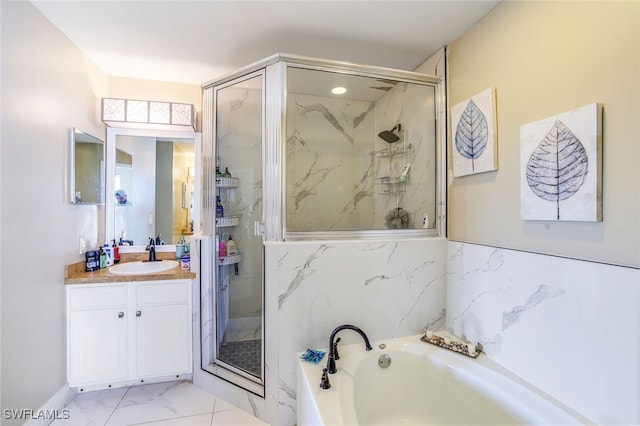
115 250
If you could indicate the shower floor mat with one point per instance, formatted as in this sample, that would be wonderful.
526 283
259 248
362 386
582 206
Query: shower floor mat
244 354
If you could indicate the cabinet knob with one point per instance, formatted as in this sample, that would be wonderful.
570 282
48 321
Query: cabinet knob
120 314
138 313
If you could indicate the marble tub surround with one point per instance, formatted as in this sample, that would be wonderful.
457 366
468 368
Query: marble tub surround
169 403
387 288
544 317
75 273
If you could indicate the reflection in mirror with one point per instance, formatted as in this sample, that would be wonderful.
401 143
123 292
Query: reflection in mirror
86 181
148 188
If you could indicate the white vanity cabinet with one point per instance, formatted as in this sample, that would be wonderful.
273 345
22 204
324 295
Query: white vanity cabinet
125 333
162 327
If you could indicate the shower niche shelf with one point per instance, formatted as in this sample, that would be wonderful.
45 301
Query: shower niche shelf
228 221
227 182
391 180
229 260
393 164
397 150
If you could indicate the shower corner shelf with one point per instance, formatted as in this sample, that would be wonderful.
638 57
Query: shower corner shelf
398 150
227 182
229 260
229 221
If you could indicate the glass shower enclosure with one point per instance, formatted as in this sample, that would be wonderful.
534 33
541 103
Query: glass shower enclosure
285 158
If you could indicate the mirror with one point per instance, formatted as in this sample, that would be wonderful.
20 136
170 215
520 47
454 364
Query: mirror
151 185
86 169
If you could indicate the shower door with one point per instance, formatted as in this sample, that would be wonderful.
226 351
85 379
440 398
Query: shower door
238 345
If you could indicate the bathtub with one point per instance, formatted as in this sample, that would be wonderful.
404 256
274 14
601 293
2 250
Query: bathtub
424 385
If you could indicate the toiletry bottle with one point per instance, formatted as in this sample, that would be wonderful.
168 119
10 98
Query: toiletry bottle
218 174
116 251
219 208
103 258
108 253
222 247
232 249
92 261
226 173
180 248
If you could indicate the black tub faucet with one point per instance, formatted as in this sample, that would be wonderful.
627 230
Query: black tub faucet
333 345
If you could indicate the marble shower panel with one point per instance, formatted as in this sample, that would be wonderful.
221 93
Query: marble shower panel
335 159
387 288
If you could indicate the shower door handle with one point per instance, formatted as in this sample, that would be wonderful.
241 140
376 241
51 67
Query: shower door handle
258 228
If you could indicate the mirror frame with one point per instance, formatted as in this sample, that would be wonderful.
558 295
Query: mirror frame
71 168
112 134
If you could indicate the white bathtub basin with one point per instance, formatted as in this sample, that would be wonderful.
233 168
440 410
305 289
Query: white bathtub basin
142 268
424 385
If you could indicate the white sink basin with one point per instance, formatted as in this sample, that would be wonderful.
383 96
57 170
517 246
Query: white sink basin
142 268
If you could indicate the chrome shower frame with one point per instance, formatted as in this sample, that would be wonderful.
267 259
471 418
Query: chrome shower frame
273 225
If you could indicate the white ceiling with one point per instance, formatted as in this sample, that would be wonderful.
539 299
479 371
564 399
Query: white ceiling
197 41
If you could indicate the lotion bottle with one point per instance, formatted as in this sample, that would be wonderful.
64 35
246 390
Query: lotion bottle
232 250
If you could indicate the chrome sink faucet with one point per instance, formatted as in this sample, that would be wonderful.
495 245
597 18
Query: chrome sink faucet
333 345
152 250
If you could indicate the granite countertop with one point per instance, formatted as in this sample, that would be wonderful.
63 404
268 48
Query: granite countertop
75 273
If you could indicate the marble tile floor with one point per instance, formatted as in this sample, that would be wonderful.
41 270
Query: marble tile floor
157 404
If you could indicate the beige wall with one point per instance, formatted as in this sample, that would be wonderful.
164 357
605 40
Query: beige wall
546 58
48 87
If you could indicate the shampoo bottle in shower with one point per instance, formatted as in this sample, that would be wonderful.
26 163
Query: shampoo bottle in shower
222 246
219 208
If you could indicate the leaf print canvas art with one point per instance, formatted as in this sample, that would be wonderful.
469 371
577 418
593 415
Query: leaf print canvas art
474 134
561 166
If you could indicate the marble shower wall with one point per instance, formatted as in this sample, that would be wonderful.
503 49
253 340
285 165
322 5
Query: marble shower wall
413 106
335 160
325 171
239 148
569 327
388 288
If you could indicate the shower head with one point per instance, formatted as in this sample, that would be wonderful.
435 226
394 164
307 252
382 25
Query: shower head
390 136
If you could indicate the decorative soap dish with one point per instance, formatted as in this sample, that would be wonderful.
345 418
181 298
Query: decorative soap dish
468 349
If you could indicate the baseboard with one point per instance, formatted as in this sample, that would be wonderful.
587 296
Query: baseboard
54 408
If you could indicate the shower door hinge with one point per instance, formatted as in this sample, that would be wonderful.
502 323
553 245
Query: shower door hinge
258 228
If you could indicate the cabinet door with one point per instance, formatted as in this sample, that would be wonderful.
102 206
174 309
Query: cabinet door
97 344
163 344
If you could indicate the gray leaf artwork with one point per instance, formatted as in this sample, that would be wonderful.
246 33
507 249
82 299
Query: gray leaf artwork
561 166
474 139
472 133
558 166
